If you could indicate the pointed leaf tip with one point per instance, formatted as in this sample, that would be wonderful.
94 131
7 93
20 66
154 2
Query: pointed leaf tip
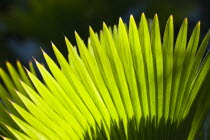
143 16
18 61
3 137
34 59
52 43
8 63
65 37
10 101
185 20
104 25
78 38
131 17
76 34
20 80
170 19
121 21
6 112
43 52
26 69
90 29
15 90
54 47
156 17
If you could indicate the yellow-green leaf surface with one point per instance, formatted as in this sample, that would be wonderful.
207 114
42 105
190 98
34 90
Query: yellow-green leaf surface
126 83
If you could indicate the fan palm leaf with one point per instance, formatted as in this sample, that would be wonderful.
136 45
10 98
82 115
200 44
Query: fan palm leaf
126 83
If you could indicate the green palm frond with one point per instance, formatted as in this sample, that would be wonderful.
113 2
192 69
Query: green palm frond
11 81
126 83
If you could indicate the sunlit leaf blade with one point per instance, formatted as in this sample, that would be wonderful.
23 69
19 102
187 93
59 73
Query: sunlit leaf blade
15 77
10 86
23 75
5 138
70 88
89 79
54 103
128 67
168 44
106 73
195 71
4 97
31 67
118 71
187 66
202 101
158 57
200 77
35 123
6 119
179 55
42 117
149 64
138 66
62 96
50 112
18 134
30 131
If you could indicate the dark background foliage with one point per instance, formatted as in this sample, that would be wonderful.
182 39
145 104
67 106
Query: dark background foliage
27 25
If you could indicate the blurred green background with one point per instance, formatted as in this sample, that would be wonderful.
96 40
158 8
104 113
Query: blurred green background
27 25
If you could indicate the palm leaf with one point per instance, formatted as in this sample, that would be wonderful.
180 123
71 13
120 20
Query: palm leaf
126 83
